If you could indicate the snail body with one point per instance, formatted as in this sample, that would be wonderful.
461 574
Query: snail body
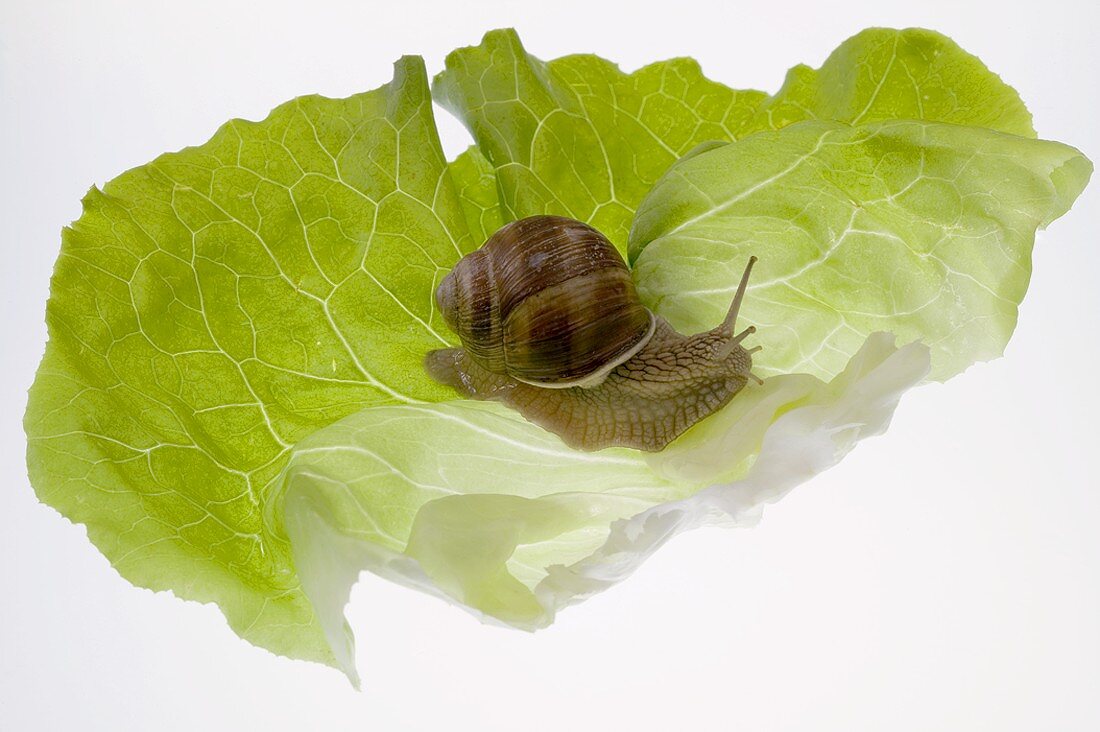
552 326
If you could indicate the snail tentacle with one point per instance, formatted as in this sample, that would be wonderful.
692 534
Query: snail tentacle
735 306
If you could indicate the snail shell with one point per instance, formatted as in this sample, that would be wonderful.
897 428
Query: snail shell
552 326
548 301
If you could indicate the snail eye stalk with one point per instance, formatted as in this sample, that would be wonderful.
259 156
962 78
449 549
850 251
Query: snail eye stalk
735 306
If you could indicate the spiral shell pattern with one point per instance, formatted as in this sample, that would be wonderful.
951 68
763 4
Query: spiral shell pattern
548 301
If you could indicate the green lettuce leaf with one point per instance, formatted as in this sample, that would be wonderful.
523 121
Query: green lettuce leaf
470 502
211 309
882 74
921 229
476 182
578 137
232 399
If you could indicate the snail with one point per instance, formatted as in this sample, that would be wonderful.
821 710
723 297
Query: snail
551 325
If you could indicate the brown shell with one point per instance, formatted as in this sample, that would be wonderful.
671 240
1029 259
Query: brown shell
547 300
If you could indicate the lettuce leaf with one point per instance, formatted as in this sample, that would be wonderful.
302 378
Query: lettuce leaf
578 137
922 229
232 398
881 74
476 182
472 503
211 309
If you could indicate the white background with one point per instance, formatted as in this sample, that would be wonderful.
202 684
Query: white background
945 576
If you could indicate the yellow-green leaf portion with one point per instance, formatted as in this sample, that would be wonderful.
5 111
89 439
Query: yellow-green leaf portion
476 182
212 308
882 74
917 228
470 502
576 136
